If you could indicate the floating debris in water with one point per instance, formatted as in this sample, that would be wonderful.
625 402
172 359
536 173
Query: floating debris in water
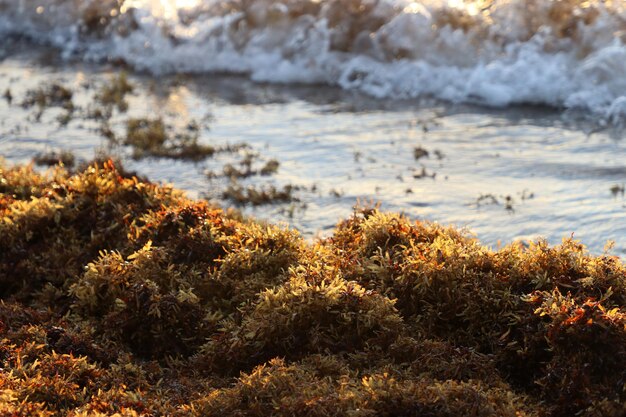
150 138
420 152
508 203
617 189
526 195
423 173
487 199
258 196
233 173
50 95
270 167
8 96
113 94
52 158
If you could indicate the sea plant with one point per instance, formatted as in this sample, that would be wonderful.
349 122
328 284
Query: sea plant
123 297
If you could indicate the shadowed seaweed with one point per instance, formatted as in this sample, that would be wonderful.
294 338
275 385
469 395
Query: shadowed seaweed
47 96
113 94
258 196
150 137
52 158
122 296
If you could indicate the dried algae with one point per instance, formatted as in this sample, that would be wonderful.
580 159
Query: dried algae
123 297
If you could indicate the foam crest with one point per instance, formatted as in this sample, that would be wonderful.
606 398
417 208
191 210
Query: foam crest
567 53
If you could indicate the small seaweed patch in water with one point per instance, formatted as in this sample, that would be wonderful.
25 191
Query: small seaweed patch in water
423 173
270 167
8 96
65 157
119 296
150 138
617 189
233 173
258 196
509 202
420 152
113 94
50 95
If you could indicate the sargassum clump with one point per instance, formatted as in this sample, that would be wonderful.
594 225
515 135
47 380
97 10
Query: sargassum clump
120 296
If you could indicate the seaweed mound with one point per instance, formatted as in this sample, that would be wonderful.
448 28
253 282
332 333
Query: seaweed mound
119 296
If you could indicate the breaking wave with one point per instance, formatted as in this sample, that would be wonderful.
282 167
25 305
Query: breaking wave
568 53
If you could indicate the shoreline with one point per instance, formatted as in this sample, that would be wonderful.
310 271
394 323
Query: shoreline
332 148
123 296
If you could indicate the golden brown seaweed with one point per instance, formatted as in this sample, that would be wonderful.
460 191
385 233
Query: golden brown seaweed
123 297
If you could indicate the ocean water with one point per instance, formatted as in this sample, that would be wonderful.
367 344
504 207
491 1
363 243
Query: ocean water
521 105
566 53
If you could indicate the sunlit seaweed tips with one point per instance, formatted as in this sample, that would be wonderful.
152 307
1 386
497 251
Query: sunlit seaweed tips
123 297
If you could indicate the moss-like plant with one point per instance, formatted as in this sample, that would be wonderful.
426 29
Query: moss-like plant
56 223
277 389
151 138
303 317
113 93
123 297
52 158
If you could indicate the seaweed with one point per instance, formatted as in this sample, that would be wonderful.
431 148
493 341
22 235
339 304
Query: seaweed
50 95
234 173
119 296
75 207
52 158
98 17
8 96
617 189
258 196
276 389
150 138
303 317
113 94
420 152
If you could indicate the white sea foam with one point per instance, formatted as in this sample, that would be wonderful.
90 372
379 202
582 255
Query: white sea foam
566 53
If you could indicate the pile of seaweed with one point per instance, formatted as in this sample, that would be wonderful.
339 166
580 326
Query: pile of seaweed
119 296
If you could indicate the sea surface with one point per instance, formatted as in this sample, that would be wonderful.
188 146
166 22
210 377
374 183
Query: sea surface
505 118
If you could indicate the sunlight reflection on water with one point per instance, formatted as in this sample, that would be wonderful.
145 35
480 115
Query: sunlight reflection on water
329 137
507 174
